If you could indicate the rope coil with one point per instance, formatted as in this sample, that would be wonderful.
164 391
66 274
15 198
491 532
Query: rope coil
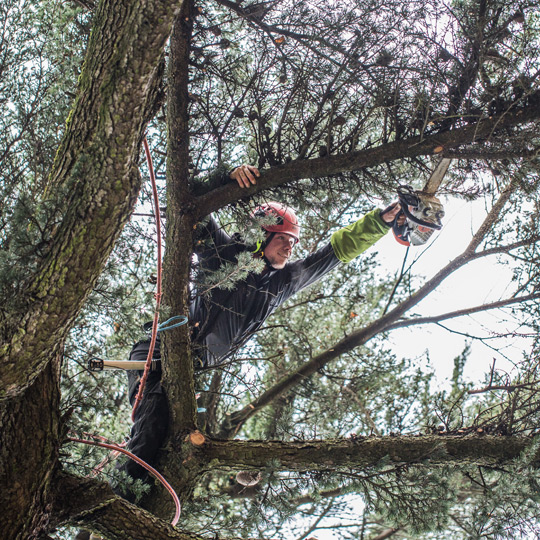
118 449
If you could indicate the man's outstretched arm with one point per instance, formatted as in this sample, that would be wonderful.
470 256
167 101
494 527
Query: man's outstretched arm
352 240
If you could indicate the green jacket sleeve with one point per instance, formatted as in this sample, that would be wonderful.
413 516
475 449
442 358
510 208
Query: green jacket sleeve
354 239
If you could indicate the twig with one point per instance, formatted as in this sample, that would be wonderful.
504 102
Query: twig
363 409
507 387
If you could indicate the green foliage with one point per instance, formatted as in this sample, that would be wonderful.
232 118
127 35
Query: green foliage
38 75
230 273
270 83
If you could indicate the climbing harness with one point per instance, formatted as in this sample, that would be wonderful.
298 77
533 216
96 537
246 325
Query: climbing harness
422 210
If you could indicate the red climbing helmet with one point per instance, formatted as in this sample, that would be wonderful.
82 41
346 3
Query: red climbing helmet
287 222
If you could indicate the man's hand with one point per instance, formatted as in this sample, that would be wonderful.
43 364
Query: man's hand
245 175
389 214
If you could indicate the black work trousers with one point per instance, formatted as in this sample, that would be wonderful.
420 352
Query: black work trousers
151 418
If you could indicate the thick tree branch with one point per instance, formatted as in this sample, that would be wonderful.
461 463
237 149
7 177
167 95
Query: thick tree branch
92 505
366 451
335 164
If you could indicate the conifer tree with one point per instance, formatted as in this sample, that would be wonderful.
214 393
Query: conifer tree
336 104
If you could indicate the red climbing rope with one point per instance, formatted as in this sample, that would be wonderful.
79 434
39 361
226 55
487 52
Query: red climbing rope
148 364
102 441
96 471
118 449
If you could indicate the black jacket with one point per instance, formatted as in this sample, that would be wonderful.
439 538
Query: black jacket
223 320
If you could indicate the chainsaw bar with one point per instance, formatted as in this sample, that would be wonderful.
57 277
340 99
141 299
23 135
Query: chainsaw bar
434 182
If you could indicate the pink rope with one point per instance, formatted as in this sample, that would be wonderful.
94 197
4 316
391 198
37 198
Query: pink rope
116 448
148 364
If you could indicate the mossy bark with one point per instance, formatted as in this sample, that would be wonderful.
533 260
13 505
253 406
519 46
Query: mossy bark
178 373
96 175
29 442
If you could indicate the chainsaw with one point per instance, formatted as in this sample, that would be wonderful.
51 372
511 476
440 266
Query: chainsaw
422 210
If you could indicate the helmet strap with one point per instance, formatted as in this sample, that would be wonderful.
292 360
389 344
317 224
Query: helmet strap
260 247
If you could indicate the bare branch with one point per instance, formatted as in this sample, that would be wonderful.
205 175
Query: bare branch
506 387
359 159
463 312
315 525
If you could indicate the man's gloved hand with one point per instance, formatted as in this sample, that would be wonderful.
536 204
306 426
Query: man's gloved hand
390 213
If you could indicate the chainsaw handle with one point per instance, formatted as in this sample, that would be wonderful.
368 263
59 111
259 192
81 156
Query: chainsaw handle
407 197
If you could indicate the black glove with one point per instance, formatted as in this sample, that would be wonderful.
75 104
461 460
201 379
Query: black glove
389 209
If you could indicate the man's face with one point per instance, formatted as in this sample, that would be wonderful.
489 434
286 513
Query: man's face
278 251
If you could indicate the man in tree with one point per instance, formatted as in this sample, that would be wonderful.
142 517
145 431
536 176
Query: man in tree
223 320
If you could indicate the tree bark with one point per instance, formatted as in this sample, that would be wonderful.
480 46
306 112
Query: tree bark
363 452
178 369
29 441
96 174
91 505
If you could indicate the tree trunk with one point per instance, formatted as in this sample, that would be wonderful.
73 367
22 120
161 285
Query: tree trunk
178 368
29 441
96 175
